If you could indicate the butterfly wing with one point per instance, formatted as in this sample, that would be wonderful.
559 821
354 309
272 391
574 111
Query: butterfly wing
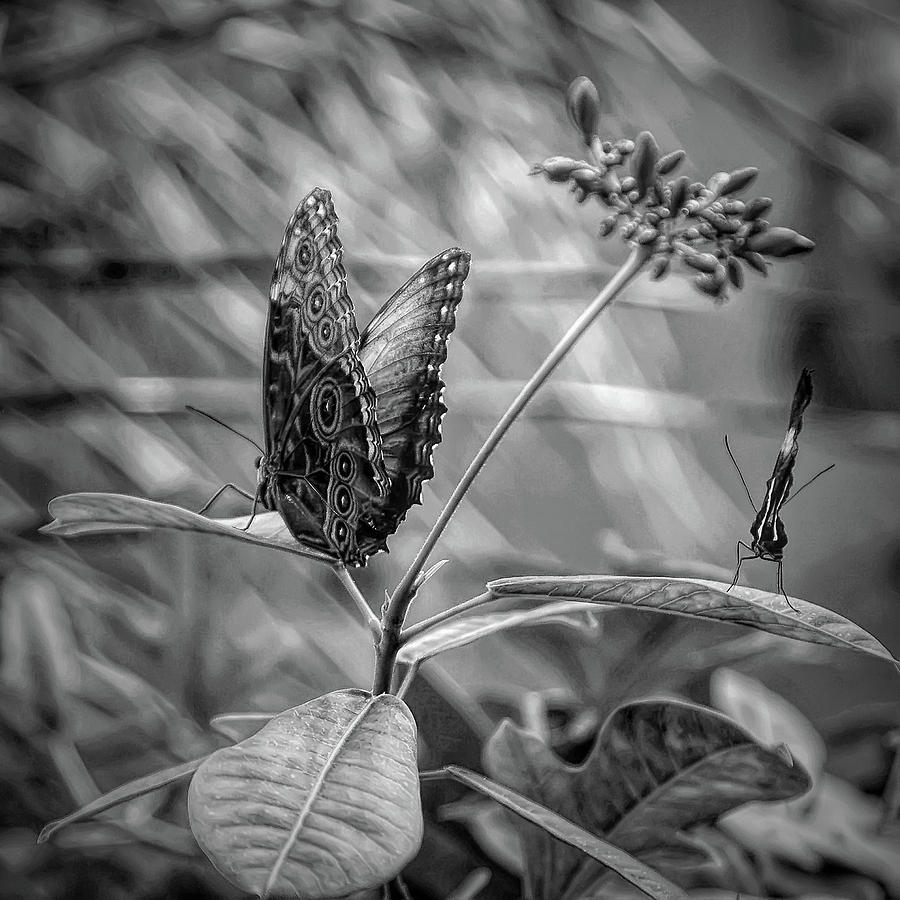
767 529
403 349
324 464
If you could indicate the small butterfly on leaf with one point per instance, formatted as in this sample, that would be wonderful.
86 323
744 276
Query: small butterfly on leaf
767 531
350 421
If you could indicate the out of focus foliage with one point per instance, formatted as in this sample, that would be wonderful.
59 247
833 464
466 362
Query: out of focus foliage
151 155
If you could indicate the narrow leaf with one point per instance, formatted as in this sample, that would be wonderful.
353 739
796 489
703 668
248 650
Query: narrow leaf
237 726
322 801
123 794
632 870
97 513
701 599
465 630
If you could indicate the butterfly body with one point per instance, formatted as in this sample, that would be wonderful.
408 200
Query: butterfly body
350 423
767 530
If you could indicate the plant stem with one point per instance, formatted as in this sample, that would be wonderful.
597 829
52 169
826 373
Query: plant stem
372 621
409 633
396 609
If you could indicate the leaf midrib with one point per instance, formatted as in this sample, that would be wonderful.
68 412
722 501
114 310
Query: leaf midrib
313 796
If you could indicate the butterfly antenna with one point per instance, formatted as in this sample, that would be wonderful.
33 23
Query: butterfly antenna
741 474
808 483
232 430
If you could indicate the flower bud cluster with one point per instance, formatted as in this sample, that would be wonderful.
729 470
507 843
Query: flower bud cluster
703 225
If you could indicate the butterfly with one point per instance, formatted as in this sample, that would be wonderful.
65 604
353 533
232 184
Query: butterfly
351 421
767 530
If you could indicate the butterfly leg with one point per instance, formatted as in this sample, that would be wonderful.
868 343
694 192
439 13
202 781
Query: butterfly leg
779 580
740 561
219 493
252 513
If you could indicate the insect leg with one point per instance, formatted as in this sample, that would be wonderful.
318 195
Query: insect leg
219 493
740 561
779 580
256 498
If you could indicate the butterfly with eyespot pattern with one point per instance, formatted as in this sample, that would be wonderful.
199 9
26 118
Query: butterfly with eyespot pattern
350 422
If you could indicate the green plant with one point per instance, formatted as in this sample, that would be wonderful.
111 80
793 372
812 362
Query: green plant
323 800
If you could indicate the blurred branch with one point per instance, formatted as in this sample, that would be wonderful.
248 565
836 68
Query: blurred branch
841 13
52 64
569 401
540 281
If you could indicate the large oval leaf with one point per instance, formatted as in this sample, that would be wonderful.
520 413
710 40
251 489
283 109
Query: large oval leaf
702 600
97 513
465 630
657 767
320 802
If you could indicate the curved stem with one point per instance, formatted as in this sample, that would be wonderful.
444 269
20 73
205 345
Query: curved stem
409 633
372 621
395 611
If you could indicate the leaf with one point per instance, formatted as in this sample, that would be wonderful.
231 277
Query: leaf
97 513
322 801
567 831
38 648
657 768
703 600
465 630
841 828
238 726
768 717
128 791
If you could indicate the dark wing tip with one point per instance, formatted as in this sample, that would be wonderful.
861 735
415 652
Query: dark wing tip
804 391
802 396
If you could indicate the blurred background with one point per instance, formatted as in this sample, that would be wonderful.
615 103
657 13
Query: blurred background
152 153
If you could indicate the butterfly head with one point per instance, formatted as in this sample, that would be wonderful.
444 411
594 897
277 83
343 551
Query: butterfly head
266 474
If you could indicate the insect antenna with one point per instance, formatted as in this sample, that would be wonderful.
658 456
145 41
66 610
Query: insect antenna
232 430
808 483
741 474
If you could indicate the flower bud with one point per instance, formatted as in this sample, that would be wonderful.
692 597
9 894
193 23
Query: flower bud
704 262
610 183
669 162
756 208
556 168
707 284
607 225
716 183
660 268
679 190
755 261
643 161
779 241
739 179
734 207
583 106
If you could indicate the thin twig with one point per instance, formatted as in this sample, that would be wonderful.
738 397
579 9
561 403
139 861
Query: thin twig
408 678
369 617
395 612
409 633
